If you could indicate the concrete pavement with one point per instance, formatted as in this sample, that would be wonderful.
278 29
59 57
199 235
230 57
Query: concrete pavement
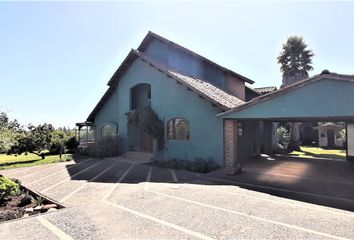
116 199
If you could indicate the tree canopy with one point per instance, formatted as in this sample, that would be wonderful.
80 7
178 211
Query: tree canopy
295 60
17 139
9 131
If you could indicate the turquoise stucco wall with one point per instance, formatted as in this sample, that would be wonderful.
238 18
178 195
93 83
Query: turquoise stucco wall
321 99
169 100
108 114
185 63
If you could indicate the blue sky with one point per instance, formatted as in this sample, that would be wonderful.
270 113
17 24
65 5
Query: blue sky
56 57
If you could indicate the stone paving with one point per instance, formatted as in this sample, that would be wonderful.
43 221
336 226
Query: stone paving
115 198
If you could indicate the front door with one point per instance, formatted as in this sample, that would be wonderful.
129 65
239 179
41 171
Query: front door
138 140
146 142
330 138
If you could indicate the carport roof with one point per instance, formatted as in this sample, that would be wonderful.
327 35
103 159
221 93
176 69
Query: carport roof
269 102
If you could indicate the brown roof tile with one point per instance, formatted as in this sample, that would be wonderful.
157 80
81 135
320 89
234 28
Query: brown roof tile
207 90
215 94
264 90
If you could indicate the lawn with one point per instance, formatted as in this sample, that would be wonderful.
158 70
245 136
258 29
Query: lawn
16 161
312 152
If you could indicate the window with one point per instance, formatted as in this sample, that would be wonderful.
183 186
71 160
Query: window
109 131
178 129
140 96
149 94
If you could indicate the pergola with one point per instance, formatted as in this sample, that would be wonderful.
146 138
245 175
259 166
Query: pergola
88 126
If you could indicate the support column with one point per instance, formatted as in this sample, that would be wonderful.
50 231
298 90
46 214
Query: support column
257 139
274 135
78 135
268 133
87 134
229 143
231 164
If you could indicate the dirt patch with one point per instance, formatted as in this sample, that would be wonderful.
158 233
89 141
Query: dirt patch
25 204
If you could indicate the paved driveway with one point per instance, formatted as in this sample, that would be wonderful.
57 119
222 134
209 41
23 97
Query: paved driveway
114 198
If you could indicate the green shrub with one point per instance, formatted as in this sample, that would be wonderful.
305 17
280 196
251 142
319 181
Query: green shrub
8 187
199 165
342 138
72 144
55 148
69 158
107 147
283 137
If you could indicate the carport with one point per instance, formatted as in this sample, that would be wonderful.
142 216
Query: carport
249 128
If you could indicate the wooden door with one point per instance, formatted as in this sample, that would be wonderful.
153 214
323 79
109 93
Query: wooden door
330 138
146 142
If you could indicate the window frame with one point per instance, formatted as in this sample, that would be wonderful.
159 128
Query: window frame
109 124
175 139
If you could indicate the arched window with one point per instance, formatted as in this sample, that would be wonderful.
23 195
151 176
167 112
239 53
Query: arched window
109 130
140 96
178 129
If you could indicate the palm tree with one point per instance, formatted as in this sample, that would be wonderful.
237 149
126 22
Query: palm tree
295 61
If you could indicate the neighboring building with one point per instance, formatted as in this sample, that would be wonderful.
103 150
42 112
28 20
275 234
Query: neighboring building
265 90
327 135
251 93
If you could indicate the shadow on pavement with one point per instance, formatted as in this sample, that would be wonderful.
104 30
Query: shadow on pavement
328 183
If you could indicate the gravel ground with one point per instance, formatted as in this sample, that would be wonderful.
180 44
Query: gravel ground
114 199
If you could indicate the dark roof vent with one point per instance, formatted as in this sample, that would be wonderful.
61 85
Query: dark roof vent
325 72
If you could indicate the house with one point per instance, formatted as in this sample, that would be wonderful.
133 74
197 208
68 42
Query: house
265 90
327 135
186 91
209 111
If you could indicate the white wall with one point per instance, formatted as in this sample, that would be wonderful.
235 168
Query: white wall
350 139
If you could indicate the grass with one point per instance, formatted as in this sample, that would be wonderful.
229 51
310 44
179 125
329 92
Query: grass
316 152
16 161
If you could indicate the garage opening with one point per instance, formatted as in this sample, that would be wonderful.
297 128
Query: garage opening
322 167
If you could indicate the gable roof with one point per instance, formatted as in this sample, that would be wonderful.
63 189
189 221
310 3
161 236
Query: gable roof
252 90
151 36
289 88
204 89
264 90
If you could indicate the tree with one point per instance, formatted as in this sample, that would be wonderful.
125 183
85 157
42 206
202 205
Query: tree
72 144
9 130
34 141
295 61
58 142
